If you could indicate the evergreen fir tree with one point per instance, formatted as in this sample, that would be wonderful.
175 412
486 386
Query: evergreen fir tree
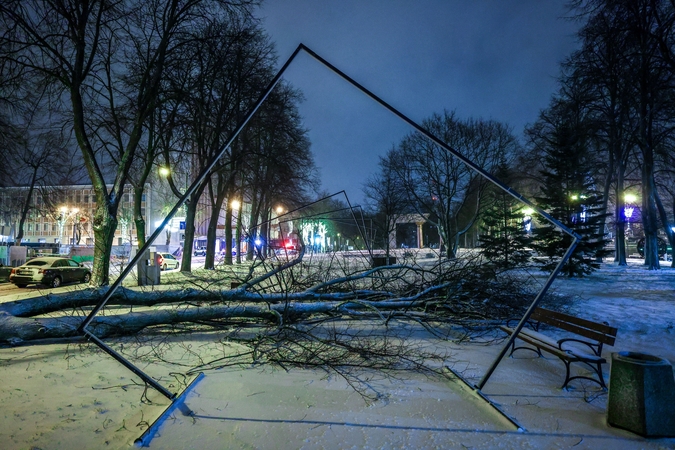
569 196
504 239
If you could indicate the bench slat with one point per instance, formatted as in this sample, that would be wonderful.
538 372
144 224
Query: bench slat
585 332
601 332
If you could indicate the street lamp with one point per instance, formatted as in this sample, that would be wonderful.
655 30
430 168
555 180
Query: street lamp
273 221
527 218
65 214
628 208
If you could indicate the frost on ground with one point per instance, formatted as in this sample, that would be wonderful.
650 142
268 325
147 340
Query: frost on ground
59 397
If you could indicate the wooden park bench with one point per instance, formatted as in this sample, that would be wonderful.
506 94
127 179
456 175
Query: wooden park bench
584 345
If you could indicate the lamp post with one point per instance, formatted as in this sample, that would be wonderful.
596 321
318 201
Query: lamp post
271 221
527 219
279 210
65 214
628 208
166 172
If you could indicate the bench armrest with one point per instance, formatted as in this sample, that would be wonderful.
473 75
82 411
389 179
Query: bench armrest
595 347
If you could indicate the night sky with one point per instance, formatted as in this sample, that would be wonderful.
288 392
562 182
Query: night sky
493 59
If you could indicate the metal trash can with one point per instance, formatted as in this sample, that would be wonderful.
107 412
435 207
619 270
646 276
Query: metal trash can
641 394
148 269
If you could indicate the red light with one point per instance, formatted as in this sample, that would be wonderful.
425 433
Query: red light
288 245
13 271
160 259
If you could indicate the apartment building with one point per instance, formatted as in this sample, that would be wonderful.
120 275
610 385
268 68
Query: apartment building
63 215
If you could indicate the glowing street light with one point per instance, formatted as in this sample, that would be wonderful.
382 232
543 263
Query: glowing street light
235 204
630 198
65 214
164 171
527 218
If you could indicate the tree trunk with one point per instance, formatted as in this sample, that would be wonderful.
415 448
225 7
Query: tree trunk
104 225
649 220
238 233
139 220
450 246
253 228
228 234
666 225
190 215
212 230
605 199
620 229
26 209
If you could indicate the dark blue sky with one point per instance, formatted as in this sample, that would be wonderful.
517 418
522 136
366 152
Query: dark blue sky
495 59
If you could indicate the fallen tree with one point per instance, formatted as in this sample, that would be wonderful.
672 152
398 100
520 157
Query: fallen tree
336 314
455 290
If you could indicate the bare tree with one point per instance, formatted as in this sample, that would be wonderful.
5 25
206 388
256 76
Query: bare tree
388 199
87 51
279 169
599 69
642 30
442 187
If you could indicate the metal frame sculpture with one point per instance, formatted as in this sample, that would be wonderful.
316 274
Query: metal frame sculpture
84 328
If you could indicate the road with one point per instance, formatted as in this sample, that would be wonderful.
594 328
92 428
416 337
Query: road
10 292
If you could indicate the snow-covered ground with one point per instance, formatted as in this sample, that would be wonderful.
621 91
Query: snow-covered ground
60 396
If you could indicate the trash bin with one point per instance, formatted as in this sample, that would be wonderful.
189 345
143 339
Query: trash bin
641 394
148 269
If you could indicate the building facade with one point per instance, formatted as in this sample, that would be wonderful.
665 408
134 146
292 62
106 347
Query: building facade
63 215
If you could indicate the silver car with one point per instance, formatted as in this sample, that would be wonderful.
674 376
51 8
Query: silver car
50 271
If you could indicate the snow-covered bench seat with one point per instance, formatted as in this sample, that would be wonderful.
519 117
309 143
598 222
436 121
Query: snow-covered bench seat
584 345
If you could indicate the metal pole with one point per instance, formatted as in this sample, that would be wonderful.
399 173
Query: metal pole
149 380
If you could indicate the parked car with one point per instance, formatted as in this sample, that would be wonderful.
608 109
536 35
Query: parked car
50 271
664 248
201 251
167 261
